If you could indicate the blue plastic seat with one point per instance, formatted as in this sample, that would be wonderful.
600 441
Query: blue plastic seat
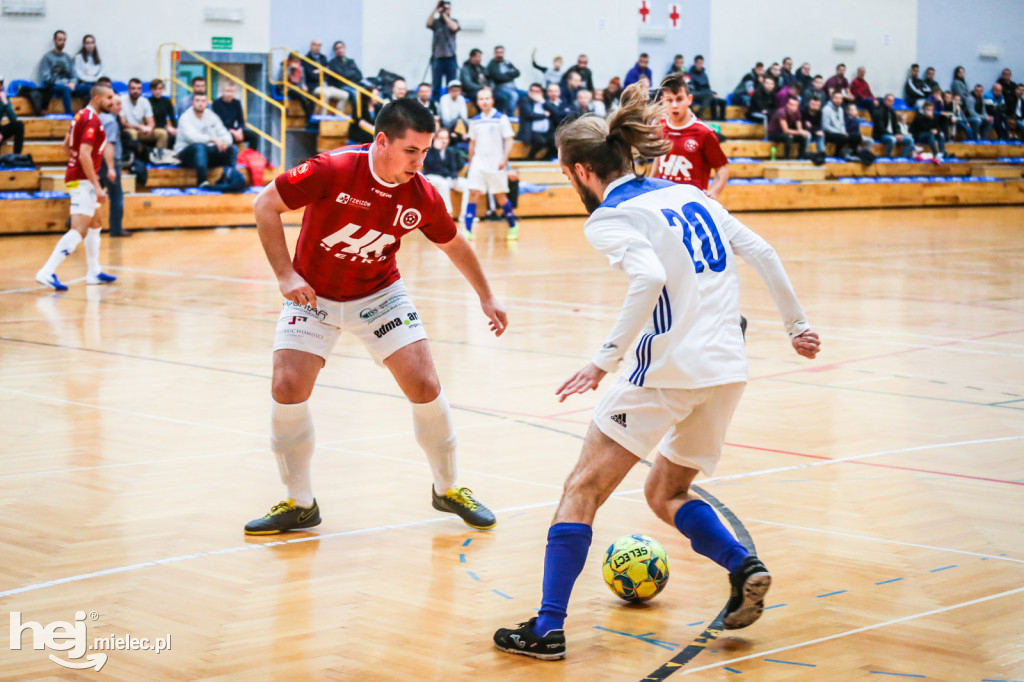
12 87
120 87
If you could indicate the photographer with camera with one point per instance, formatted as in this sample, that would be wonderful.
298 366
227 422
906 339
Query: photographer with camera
443 58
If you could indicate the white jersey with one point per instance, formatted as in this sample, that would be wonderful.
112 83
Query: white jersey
678 247
488 134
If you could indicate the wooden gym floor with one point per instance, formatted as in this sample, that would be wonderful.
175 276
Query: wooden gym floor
883 483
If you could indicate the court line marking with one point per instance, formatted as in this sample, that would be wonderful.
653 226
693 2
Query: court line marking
855 631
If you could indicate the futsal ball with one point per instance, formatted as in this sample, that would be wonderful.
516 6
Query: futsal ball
635 568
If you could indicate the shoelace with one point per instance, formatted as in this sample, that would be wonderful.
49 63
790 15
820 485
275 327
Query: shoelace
279 508
464 496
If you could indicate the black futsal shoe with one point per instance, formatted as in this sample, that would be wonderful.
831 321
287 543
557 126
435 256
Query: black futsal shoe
749 585
461 501
285 516
743 327
523 641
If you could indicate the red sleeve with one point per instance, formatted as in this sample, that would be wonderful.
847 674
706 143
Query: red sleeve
305 183
713 151
438 226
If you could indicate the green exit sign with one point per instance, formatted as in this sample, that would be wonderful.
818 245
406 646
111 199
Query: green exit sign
222 42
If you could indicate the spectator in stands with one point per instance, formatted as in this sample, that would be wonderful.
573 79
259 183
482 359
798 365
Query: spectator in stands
296 75
803 76
443 57
137 120
861 91
535 127
453 112
810 117
927 129
56 73
361 130
786 126
852 120
1009 91
676 66
815 91
833 122
231 114
939 107
580 67
109 173
163 109
979 112
786 76
87 67
553 73
503 74
762 104
839 83
425 96
959 84
310 72
999 111
198 88
639 70
585 104
441 167
704 97
744 90
783 92
560 110
960 119
885 128
929 80
775 71
611 94
573 84
347 68
1018 111
203 141
913 89
399 90
13 128
473 76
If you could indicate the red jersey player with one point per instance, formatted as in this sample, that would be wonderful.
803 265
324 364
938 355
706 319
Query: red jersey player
360 201
695 149
84 144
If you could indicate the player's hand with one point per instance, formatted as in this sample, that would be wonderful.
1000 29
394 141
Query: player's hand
502 165
111 175
495 312
296 289
807 344
101 195
582 381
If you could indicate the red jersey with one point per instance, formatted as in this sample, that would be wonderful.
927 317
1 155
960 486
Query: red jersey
695 152
85 128
354 221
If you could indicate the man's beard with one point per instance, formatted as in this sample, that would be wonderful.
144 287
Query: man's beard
591 201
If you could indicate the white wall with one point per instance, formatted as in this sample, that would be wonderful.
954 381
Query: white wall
395 36
747 31
127 32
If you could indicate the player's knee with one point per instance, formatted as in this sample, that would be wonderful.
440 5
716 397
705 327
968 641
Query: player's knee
287 388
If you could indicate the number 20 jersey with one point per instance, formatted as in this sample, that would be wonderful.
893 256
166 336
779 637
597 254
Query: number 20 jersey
354 221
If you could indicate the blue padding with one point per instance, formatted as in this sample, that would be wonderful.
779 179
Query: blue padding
531 188
14 196
760 181
848 181
741 120
164 165
328 117
782 181
899 104
18 169
58 117
865 181
12 87
743 159
253 190
120 87
905 179
197 191
834 159
513 119
883 181
739 181
168 192
51 195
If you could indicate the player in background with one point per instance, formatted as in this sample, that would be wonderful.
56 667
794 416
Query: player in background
84 145
490 143
359 202
678 247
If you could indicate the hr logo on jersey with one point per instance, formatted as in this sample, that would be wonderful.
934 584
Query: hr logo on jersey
371 244
672 166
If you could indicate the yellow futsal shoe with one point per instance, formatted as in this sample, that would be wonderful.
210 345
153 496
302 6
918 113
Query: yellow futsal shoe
461 501
285 516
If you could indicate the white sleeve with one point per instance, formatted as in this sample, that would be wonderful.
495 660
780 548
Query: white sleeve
506 128
630 251
760 255
472 133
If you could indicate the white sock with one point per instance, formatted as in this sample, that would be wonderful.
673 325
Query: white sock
435 433
66 246
92 252
292 442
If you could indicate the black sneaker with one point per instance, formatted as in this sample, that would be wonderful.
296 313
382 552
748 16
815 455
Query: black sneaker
285 516
743 327
749 585
522 640
461 501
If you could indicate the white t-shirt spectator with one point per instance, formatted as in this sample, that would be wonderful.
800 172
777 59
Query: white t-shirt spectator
195 130
489 134
451 110
136 114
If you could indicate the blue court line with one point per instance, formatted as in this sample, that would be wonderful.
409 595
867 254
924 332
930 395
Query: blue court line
501 594
699 622
880 672
1005 402
643 638
732 670
936 570
987 680
466 543
515 515
774 606
806 665
831 594
462 558
890 580
473 575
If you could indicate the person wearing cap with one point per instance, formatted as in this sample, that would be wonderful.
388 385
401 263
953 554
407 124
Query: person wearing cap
453 113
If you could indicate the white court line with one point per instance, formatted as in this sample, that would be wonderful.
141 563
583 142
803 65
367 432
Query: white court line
217 278
888 542
819 640
63 372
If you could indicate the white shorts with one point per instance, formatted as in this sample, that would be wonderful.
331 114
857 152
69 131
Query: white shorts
83 198
492 182
689 423
385 322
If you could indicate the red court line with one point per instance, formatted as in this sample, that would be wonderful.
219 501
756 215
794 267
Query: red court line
878 464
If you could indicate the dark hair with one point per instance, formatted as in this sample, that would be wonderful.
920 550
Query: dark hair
608 146
155 83
817 76
771 78
840 64
336 43
675 83
422 84
104 80
958 69
197 79
700 56
95 50
400 115
915 66
794 98
643 55
499 47
928 103
761 64
474 52
98 88
536 85
785 58
58 32
678 56
134 80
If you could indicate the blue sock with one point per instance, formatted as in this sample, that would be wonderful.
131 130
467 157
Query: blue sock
510 216
699 522
566 553
470 216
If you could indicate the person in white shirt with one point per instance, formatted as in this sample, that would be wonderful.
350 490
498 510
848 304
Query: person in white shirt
203 141
137 119
87 67
452 110
678 247
834 125
490 143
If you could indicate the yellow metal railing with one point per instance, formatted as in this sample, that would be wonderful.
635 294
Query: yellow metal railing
177 50
323 72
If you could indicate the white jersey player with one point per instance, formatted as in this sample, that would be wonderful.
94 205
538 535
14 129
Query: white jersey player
686 374
490 143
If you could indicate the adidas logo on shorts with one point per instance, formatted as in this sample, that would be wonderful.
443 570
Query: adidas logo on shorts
620 419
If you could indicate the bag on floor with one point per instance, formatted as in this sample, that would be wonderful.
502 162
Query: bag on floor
231 182
16 161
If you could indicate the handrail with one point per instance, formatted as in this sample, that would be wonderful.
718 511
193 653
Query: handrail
360 90
210 66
